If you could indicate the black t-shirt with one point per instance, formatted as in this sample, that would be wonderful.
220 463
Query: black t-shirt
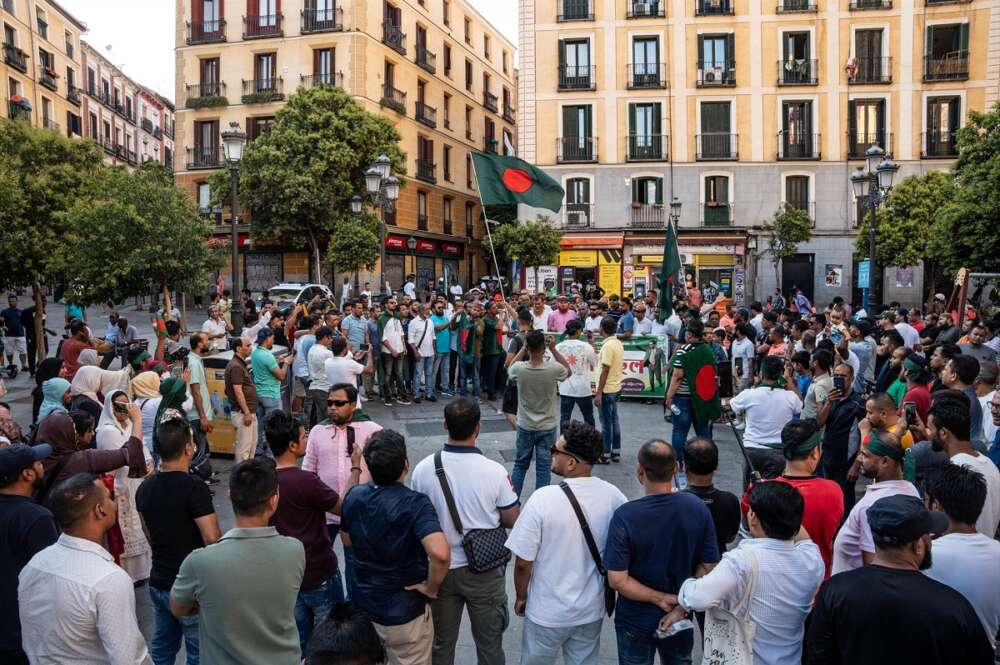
170 501
843 415
725 510
880 615
26 527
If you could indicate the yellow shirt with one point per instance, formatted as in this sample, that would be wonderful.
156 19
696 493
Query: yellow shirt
613 356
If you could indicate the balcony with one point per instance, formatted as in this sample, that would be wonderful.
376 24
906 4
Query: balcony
717 146
574 10
938 145
953 66
490 101
426 114
393 99
322 20
47 78
204 157
261 27
862 5
147 125
394 37
427 171
858 143
206 95
717 213
798 72
713 8
426 59
646 75
157 133
131 157
795 145
73 96
490 144
577 77
647 148
639 9
795 6
49 123
206 32
716 75
869 70
168 131
335 79
16 58
17 111
262 91
578 215
509 114
421 222
576 149
646 216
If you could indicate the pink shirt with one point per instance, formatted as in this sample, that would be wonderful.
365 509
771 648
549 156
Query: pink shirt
558 320
326 456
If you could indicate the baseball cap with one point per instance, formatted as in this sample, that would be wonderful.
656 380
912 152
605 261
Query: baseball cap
17 458
939 296
901 519
263 334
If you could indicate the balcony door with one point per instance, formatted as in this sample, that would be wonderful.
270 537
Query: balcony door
206 141
647 191
797 192
797 129
717 199
323 66
392 15
716 57
715 129
943 120
644 130
209 76
211 13
577 131
267 12
575 59
944 41
646 60
866 120
868 49
265 65
795 63
578 202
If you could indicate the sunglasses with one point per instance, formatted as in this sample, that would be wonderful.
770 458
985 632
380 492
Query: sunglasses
557 451
337 402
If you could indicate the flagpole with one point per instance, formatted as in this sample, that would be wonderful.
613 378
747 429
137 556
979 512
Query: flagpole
489 234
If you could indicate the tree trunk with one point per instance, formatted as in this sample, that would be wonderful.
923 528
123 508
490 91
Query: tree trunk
184 303
314 245
167 307
777 274
39 320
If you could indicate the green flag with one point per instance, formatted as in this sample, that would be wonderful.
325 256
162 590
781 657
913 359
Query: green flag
504 180
668 274
702 377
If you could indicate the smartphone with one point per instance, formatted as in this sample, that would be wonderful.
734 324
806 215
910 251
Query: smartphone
177 369
739 367
910 409
838 383
120 408
364 347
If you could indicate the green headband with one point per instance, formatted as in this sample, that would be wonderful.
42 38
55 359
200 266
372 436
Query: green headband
878 447
912 366
790 450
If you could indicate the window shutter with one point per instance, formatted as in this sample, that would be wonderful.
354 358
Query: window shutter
852 121
954 114
929 40
730 50
656 119
659 191
636 190
880 119
197 11
963 37
632 129
701 50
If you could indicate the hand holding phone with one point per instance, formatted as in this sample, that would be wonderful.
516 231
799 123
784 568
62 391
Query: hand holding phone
839 383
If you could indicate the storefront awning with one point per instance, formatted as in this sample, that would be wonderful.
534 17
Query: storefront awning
592 241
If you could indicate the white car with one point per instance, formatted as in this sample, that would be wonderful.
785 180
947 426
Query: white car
295 293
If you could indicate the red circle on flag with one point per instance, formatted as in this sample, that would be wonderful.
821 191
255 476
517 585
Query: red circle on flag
705 383
517 180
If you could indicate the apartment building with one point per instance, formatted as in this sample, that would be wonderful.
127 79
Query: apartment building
41 65
736 107
110 108
435 68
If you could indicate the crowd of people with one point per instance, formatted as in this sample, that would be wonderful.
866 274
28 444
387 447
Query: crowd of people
111 487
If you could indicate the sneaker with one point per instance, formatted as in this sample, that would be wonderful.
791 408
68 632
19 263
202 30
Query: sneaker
416 400
448 393
432 398
404 400
388 402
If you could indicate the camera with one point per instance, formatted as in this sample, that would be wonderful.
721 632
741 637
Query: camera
178 360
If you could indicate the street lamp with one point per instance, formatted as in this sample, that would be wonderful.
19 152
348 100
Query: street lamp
872 184
233 141
411 244
383 189
675 210
356 203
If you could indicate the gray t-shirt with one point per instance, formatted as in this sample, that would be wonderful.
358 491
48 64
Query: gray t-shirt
537 394
982 353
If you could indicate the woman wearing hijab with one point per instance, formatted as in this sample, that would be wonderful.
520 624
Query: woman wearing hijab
114 431
91 384
55 397
49 368
174 396
89 357
146 391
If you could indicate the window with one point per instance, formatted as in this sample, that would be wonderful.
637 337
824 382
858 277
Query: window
797 192
425 159
468 122
715 140
9 35
578 202
715 60
447 60
8 6
486 46
645 72
106 90
264 67
91 82
206 135
508 142
797 140
209 72
323 66
647 191
946 52
574 64
468 75
469 208
107 131
468 31
490 135
446 162
422 210
446 110
70 79
943 120
576 142
46 111
645 138
204 197
69 43
505 66
446 12
716 211
43 26
446 212
469 173
868 66
866 126
93 126
390 75
796 66
128 107
13 87
257 127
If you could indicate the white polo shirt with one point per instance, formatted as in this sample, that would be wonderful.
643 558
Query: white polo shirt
213 327
421 336
768 411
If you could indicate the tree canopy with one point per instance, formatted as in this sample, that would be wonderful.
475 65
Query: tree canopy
786 229
534 243
355 244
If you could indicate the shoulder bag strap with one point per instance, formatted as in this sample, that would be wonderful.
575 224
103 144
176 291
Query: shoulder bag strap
742 609
424 333
588 536
446 490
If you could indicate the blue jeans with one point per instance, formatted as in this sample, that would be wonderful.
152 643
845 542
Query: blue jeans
611 427
423 372
265 405
566 405
468 371
313 606
682 422
674 650
349 577
579 644
168 630
440 373
540 443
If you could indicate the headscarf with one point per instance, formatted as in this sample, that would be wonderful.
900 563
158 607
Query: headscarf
91 381
48 369
52 394
174 392
146 385
59 432
113 433
88 357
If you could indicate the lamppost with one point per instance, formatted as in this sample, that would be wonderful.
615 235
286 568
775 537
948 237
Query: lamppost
411 244
383 189
675 212
872 183
233 141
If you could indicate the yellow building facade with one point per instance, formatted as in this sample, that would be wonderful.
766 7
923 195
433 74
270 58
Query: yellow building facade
736 107
437 70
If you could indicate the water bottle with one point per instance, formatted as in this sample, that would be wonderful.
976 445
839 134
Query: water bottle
227 408
674 410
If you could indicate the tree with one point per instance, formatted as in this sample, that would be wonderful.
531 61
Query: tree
534 243
299 177
965 231
42 174
786 230
355 245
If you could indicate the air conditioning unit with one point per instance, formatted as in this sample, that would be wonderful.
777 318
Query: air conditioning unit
576 218
641 9
713 75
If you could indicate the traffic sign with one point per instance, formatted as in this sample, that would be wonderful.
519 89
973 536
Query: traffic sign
864 271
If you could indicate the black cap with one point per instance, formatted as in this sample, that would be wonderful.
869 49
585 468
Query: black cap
17 458
901 519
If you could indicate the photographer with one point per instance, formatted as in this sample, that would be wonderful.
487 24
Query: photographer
839 414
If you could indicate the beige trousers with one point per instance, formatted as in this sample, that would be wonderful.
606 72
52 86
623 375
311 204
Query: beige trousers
410 643
246 437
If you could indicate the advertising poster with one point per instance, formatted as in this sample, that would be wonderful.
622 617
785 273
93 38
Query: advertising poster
834 274
904 278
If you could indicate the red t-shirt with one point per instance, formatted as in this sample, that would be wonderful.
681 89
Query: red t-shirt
824 509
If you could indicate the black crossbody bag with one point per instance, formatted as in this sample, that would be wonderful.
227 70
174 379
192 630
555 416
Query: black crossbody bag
610 597
485 549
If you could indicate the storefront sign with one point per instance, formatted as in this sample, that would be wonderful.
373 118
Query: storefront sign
580 258
609 272
395 242
452 249
628 277
426 246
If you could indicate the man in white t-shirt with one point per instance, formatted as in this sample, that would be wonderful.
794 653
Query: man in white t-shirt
319 386
455 290
948 428
963 558
342 368
768 408
420 338
560 592
410 288
577 389
540 313
483 499
593 322
217 329
743 353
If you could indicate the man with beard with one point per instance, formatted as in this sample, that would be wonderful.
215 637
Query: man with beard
28 528
889 611
882 462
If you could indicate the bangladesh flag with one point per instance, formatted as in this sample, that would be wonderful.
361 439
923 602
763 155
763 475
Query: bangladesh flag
669 271
702 378
504 180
